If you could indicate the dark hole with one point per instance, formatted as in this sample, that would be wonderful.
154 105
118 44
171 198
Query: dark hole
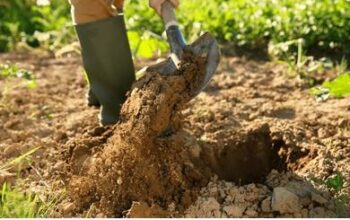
249 158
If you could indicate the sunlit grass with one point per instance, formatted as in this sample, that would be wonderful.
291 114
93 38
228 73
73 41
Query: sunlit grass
18 203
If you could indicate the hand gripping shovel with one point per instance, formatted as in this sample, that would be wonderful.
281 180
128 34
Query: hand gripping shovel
205 47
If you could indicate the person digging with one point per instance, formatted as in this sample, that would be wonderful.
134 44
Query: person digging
106 54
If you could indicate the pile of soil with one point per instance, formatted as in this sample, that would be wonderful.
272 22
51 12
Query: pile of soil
142 161
254 143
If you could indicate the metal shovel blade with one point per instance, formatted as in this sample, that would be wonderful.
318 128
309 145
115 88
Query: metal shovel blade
207 47
204 47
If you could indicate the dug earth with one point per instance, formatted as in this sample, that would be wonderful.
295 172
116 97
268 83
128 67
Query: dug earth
146 159
150 166
255 143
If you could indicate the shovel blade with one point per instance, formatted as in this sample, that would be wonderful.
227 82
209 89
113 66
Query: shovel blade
205 47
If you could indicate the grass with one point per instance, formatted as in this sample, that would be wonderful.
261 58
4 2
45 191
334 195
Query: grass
16 203
308 68
299 64
18 160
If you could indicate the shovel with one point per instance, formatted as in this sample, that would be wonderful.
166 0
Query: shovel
204 47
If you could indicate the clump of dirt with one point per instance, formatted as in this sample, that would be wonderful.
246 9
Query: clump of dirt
139 162
281 195
143 210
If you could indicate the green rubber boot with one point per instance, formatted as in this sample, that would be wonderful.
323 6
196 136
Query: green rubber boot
108 63
92 100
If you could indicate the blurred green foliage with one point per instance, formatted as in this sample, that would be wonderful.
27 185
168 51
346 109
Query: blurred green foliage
12 70
256 24
15 202
321 24
338 88
34 23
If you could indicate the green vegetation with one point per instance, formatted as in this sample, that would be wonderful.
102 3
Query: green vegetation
299 64
12 70
335 182
18 161
287 30
342 201
14 202
337 88
321 24
24 22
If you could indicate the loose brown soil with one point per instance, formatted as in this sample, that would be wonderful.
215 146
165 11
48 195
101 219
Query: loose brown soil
140 162
254 143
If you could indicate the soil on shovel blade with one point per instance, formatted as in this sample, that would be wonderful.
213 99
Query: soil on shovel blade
253 144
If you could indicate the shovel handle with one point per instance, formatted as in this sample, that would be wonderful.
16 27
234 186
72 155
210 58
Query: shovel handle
168 14
175 38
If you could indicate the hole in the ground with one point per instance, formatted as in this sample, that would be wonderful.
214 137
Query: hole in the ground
247 157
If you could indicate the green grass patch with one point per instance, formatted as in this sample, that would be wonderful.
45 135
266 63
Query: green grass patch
14 203
17 203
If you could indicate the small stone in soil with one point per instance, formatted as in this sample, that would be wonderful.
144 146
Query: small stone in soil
234 211
266 205
285 201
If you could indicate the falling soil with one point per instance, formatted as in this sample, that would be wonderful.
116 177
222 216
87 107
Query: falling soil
253 144
140 161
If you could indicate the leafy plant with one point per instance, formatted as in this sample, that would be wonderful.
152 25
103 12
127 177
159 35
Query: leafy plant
56 26
338 88
146 45
321 24
12 70
292 54
335 182
22 21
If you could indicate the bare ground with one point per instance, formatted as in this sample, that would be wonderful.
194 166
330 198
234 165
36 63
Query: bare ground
255 143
